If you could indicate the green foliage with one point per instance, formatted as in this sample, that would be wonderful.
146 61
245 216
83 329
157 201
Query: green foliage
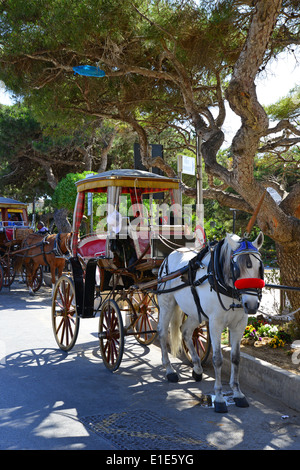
287 107
17 128
65 192
72 32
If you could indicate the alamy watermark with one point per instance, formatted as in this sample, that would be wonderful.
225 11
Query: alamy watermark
137 220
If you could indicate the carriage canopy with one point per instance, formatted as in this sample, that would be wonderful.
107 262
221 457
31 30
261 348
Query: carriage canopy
13 213
116 183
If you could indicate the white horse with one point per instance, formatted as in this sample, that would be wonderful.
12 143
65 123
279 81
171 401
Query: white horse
240 263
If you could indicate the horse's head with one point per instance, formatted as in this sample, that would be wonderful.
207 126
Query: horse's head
64 241
247 270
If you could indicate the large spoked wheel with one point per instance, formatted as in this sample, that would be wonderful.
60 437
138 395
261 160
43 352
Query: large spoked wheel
111 335
8 271
146 317
202 342
38 278
65 321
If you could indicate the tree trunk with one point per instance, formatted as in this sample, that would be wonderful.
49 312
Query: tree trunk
61 220
289 262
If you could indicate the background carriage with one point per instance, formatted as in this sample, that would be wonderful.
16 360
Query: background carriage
14 228
115 265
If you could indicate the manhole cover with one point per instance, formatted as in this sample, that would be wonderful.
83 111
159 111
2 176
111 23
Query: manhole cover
143 430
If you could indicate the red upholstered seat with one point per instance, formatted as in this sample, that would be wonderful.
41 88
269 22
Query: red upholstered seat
9 233
92 246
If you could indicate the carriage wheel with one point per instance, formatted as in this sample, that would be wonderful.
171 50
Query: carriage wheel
65 321
8 272
111 335
38 278
147 313
202 343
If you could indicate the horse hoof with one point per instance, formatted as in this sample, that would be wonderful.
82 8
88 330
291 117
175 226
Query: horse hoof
220 407
173 377
197 377
31 293
241 402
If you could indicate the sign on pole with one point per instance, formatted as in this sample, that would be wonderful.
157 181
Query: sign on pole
186 165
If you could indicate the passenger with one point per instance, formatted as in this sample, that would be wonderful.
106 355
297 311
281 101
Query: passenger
14 220
42 229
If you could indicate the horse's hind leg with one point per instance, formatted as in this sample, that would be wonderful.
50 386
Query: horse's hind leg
239 398
31 273
187 329
166 308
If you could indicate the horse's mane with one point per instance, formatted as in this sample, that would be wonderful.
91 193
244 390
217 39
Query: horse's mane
225 261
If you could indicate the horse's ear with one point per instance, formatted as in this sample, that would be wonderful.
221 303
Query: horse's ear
233 241
259 241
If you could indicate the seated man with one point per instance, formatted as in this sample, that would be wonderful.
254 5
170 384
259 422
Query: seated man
42 229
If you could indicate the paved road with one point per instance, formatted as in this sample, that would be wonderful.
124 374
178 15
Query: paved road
52 400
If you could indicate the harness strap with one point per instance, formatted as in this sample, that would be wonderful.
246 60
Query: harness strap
43 243
171 289
189 270
192 274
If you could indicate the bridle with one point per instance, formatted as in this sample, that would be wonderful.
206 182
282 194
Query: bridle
250 286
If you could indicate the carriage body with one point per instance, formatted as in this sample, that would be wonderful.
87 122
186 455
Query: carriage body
13 220
126 241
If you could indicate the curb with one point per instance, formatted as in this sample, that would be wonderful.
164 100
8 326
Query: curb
270 379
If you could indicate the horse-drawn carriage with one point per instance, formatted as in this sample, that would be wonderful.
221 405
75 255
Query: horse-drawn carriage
22 250
137 249
136 221
14 227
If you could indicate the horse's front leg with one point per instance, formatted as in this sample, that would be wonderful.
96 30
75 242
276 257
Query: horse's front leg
235 340
215 334
53 278
30 279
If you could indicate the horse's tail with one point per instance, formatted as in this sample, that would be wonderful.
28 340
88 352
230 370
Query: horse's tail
175 331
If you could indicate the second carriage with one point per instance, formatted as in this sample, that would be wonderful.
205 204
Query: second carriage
14 228
135 220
